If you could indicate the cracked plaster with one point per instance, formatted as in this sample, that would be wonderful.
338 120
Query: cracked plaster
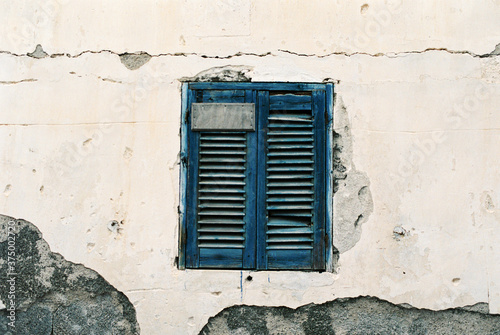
397 90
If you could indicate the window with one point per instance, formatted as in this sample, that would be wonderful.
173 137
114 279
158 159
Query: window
255 162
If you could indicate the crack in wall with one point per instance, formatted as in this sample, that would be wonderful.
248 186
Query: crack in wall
40 53
18 81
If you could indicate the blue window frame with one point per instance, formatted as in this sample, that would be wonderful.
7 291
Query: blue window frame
259 196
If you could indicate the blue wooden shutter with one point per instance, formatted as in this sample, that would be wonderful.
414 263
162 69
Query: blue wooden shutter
221 195
291 180
256 199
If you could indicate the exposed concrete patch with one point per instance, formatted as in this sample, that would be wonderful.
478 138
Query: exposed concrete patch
38 53
54 296
135 60
362 315
222 73
353 201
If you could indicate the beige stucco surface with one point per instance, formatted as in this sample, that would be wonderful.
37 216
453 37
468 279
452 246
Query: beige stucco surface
84 140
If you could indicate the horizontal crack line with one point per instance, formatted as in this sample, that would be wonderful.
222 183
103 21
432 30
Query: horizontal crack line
86 123
422 131
269 53
18 81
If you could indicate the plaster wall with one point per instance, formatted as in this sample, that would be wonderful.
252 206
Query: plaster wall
84 141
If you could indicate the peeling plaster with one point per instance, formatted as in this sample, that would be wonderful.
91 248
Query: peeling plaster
52 295
222 73
38 53
361 315
353 201
134 61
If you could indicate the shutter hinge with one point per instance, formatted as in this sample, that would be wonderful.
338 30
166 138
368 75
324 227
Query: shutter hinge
186 117
184 160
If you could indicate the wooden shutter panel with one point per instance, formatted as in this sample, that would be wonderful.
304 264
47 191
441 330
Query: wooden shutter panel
220 204
294 182
256 199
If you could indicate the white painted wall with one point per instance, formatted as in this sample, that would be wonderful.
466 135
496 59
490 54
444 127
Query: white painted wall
84 140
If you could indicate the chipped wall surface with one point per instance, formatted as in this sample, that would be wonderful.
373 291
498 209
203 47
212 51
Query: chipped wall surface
89 142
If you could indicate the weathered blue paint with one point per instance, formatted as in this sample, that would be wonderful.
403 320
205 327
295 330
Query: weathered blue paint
251 195
241 285
319 112
329 177
183 178
258 203
256 86
192 252
262 126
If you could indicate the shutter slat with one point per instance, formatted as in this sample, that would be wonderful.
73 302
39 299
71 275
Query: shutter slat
293 246
290 139
300 154
221 190
290 146
289 207
285 125
291 168
291 192
290 231
289 239
218 160
217 221
296 132
219 245
221 205
221 213
290 184
220 237
222 138
290 176
222 167
289 199
285 222
226 153
222 175
222 145
222 182
283 118
223 230
222 197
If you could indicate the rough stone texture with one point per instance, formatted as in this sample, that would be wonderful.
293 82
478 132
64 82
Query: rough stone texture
57 297
362 315
134 61
353 201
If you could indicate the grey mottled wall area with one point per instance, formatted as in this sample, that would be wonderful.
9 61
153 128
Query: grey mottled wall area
52 295
353 316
